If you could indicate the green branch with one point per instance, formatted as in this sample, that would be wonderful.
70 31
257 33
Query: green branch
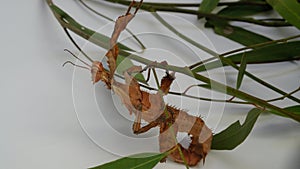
67 22
248 3
153 8
226 60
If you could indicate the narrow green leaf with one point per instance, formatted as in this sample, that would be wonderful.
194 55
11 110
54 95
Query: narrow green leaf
237 34
243 10
236 133
207 6
93 36
288 9
267 54
241 71
138 161
293 109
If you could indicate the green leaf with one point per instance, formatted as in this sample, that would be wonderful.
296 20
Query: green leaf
267 54
243 10
241 72
138 161
288 9
236 133
93 36
292 109
123 64
237 34
207 6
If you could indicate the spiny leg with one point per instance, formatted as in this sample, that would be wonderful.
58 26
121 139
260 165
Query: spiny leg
166 81
135 95
120 25
138 129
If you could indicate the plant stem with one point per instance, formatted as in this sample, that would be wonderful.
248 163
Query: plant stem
171 28
216 56
67 22
243 49
196 97
107 18
152 8
250 75
260 45
202 62
222 58
248 3
214 85
283 97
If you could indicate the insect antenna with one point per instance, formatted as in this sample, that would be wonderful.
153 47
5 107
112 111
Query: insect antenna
75 65
66 50
76 45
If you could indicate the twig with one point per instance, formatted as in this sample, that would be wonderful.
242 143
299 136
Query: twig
251 3
283 97
225 60
171 28
260 45
152 8
243 49
107 18
73 25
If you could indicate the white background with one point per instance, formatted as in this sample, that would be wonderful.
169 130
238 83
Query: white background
39 126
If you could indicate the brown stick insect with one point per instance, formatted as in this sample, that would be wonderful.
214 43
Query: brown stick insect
151 107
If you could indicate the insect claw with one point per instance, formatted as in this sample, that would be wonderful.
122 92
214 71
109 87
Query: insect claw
138 7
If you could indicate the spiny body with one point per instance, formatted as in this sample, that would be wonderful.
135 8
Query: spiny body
151 107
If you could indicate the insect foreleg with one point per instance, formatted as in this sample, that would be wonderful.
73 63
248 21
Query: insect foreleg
138 129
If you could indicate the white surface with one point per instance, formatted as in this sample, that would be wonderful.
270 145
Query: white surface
39 126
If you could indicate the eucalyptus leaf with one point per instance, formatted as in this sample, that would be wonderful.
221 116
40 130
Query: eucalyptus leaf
241 72
237 34
288 9
243 10
138 161
236 133
267 54
294 109
207 6
97 38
